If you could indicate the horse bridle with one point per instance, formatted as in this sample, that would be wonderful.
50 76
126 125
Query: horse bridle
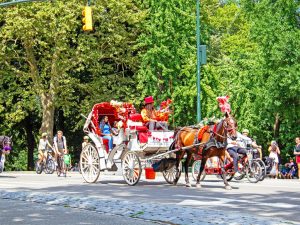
226 129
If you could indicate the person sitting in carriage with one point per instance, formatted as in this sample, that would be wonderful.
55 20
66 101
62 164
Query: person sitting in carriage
106 131
152 117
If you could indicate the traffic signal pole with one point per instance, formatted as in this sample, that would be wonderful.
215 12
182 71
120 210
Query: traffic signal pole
198 62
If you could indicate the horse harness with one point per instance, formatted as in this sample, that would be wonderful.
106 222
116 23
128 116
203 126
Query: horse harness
212 142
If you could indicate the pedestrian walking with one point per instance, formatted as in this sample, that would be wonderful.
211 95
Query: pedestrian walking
297 154
274 152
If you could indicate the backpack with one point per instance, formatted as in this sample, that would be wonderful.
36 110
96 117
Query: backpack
62 138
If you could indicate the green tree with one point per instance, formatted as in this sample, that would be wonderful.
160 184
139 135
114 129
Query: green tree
57 69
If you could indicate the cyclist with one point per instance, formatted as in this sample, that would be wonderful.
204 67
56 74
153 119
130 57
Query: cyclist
237 146
60 146
250 142
44 145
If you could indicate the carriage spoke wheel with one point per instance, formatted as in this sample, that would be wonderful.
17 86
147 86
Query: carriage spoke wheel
170 174
90 164
131 168
195 170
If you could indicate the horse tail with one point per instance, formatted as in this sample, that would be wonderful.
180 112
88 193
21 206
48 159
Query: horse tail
176 131
172 146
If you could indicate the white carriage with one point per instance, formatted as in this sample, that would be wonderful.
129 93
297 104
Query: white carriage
136 147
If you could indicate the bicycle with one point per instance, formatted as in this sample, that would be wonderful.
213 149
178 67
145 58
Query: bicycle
247 167
48 165
63 167
262 165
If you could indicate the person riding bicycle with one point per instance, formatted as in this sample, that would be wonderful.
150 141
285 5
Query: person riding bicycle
252 143
60 146
44 145
237 146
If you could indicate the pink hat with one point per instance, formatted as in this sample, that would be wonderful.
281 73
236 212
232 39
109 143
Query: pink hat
149 100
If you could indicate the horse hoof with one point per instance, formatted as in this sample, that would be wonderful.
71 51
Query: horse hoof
228 187
174 183
198 185
188 185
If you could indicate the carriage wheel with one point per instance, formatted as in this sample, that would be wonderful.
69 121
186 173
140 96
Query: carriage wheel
170 174
195 170
131 168
90 164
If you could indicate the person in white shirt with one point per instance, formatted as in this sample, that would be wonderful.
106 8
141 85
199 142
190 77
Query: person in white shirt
44 145
253 144
237 146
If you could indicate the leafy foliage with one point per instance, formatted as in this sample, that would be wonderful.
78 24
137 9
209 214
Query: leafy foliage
51 71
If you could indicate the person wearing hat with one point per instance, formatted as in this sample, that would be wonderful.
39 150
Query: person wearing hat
85 141
149 115
44 145
253 143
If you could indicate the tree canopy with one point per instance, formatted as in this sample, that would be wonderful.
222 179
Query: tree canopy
51 71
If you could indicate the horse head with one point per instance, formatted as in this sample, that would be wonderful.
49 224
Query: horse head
230 125
226 128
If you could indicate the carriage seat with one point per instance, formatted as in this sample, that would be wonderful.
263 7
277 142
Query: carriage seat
105 143
135 122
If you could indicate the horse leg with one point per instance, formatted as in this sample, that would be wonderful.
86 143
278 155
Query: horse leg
203 162
186 168
222 159
179 156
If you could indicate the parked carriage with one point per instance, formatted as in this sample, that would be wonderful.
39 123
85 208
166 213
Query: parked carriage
136 147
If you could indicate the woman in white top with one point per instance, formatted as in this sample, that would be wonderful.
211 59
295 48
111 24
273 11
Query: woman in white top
274 152
44 145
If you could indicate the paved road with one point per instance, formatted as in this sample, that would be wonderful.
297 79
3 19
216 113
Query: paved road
276 199
14 212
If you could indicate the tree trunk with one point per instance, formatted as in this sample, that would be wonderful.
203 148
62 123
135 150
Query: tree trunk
30 142
48 114
276 126
61 120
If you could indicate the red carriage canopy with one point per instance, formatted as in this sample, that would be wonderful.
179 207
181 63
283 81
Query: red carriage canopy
116 111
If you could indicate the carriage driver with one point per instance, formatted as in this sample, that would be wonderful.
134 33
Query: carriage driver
149 115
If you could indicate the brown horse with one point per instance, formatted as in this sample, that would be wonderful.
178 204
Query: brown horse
212 143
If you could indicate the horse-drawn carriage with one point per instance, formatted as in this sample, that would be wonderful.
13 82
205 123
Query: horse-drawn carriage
135 146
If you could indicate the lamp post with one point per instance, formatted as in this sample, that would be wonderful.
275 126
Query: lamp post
198 61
